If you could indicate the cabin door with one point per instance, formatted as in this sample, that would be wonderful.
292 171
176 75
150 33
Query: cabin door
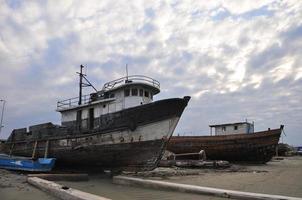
79 119
91 118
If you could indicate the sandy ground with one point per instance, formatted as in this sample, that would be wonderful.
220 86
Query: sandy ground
279 177
13 186
282 177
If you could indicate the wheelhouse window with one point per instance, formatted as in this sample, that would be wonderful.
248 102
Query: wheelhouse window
223 128
127 92
235 128
146 94
111 95
141 92
134 92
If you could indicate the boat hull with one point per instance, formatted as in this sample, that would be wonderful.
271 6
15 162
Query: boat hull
257 147
124 145
26 164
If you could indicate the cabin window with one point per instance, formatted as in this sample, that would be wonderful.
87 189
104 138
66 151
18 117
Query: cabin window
141 92
223 128
106 95
235 128
146 94
111 95
127 92
151 95
134 92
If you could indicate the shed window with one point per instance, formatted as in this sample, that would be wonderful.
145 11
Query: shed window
146 94
127 92
141 92
235 128
134 92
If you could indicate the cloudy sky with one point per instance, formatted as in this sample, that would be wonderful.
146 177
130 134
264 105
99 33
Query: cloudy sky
237 59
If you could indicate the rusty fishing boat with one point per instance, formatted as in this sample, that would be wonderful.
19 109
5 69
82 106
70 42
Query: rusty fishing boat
119 127
235 142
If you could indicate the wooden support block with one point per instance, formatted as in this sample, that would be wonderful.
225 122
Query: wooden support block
62 192
61 177
198 189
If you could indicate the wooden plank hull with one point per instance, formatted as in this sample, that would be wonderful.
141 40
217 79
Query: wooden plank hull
256 147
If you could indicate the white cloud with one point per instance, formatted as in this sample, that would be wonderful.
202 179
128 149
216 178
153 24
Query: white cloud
285 69
184 44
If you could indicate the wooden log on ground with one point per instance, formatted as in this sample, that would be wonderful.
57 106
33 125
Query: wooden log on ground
201 155
122 180
166 163
61 177
194 163
62 192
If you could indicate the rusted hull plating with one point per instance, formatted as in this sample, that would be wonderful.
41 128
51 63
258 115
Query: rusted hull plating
114 146
136 156
257 147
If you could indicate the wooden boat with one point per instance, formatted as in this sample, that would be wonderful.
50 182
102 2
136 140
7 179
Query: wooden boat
26 163
258 147
119 127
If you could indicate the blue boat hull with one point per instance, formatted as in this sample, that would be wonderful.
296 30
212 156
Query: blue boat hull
26 164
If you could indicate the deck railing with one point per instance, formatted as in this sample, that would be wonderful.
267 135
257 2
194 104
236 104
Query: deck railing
72 102
128 79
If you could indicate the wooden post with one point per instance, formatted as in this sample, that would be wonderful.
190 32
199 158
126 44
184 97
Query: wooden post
46 149
34 151
11 149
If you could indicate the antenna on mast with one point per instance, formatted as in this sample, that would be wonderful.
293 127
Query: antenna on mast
127 72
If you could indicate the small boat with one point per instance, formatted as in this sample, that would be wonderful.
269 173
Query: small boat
257 147
26 163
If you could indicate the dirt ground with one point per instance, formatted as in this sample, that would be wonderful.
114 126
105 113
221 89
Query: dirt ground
279 177
13 186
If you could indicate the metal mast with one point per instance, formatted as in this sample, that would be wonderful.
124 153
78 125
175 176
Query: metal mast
2 114
81 84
